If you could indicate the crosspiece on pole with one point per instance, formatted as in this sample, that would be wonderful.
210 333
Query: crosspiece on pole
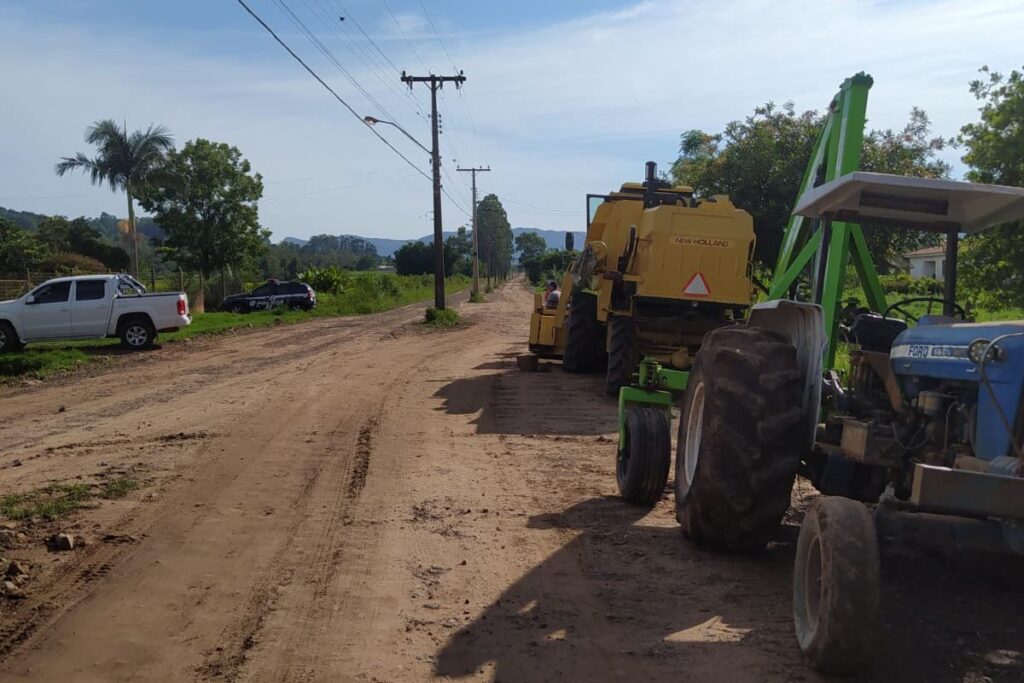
435 83
476 242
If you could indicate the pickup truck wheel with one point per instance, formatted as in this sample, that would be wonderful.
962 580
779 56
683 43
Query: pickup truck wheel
137 333
8 338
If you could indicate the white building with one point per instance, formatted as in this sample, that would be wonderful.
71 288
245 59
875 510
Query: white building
927 262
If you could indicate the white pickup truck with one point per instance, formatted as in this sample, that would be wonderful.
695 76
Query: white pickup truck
91 307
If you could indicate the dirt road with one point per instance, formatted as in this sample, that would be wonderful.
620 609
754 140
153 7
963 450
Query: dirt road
361 500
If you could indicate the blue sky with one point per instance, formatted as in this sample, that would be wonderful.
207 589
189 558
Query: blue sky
562 98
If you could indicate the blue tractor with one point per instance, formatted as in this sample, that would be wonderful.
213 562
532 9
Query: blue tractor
917 441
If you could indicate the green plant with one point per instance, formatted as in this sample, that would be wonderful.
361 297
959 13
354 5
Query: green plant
476 298
330 279
48 502
441 318
118 488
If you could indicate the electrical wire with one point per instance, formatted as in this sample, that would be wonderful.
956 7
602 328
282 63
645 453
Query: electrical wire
330 89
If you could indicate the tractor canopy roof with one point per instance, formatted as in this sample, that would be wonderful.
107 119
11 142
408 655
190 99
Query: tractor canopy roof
914 203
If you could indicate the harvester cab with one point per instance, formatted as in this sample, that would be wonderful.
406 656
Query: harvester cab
659 269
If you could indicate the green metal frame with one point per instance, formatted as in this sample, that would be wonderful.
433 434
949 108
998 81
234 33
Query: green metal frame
654 387
828 246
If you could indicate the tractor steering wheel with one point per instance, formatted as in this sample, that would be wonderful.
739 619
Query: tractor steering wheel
958 310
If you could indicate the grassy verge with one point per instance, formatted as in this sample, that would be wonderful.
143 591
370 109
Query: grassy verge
57 500
367 294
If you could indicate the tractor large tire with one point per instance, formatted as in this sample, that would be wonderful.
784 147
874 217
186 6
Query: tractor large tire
740 439
622 353
641 467
584 338
836 585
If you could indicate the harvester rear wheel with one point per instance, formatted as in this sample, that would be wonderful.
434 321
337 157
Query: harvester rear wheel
583 335
739 439
836 585
642 465
622 353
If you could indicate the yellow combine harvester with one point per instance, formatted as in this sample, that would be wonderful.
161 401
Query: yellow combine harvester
659 269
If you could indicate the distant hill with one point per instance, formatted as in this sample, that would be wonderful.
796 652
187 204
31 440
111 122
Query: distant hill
555 239
106 223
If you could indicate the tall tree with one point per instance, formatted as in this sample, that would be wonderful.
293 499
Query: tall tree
530 245
207 209
993 260
759 162
127 162
18 250
495 240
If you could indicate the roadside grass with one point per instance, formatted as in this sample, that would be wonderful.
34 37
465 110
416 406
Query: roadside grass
441 318
476 298
57 500
39 363
366 295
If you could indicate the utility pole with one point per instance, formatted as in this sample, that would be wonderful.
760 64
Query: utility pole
436 83
476 240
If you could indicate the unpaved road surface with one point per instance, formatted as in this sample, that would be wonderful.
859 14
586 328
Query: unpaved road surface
358 499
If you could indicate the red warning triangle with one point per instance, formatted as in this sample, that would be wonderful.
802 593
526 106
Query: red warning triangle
697 286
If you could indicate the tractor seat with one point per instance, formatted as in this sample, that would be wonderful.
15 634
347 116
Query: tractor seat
872 332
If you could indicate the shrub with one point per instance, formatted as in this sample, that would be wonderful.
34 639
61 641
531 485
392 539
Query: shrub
441 318
903 284
330 279
476 298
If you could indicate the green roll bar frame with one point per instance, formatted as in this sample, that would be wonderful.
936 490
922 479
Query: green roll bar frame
836 153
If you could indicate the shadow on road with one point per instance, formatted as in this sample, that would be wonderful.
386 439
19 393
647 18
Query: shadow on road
551 402
625 601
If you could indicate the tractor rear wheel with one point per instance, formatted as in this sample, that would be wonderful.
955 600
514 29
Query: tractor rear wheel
622 353
740 439
836 585
583 335
641 467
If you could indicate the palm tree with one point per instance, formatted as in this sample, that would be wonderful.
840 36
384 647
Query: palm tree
124 162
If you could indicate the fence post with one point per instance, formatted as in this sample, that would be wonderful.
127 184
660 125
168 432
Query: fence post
152 278
181 279
28 278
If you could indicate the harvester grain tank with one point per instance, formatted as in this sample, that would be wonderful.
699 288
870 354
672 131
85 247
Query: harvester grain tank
659 269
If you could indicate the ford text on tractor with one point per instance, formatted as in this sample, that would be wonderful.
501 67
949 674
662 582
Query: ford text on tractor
926 428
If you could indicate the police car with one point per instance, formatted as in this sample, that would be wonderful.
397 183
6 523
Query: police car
294 295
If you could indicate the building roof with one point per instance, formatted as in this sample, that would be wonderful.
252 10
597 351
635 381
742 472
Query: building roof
927 251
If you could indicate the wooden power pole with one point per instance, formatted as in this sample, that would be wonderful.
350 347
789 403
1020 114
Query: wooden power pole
476 240
436 83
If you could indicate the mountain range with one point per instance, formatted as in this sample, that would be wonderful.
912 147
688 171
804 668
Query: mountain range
555 239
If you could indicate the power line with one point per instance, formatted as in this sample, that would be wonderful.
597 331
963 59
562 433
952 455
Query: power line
318 44
330 89
463 98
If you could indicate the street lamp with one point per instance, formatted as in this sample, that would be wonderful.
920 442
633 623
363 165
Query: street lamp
435 162
371 120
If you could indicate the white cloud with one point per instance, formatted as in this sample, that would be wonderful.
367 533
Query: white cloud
562 110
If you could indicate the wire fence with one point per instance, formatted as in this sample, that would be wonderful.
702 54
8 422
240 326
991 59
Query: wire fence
216 287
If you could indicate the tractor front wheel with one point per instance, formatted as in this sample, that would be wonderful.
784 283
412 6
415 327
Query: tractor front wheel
836 585
641 468
740 439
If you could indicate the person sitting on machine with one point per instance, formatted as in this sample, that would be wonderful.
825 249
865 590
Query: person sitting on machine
551 294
